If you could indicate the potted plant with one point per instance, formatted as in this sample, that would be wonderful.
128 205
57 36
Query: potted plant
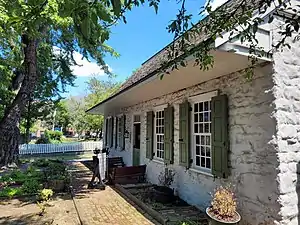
223 207
162 192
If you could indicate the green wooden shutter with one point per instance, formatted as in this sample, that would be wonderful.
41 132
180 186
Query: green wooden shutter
168 135
122 136
219 131
110 134
184 134
106 132
149 135
116 132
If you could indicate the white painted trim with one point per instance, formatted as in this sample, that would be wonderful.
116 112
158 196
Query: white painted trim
200 172
160 107
158 160
203 97
195 99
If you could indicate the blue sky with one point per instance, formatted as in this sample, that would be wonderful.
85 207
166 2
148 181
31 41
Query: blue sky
144 34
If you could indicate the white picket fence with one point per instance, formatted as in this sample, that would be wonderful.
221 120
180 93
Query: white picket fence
26 149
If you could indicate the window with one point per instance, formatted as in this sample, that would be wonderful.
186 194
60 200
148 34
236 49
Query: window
201 139
159 134
119 131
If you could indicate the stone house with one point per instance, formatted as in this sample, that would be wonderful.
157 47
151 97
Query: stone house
215 127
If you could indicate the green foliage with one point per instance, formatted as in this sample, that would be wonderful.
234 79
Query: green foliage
42 140
31 186
80 120
53 135
45 194
10 192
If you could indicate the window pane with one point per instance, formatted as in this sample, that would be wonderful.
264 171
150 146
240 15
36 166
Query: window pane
205 106
196 107
196 117
197 139
202 151
202 140
208 163
200 128
200 106
207 141
197 161
207 151
201 117
197 150
202 161
206 116
206 127
196 128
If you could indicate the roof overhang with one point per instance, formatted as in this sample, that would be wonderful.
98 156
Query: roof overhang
152 86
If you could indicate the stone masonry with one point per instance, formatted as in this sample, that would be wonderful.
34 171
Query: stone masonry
253 159
286 91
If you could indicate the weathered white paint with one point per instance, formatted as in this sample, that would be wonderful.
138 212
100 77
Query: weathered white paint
287 114
252 156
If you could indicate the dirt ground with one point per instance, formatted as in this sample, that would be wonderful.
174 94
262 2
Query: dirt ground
61 211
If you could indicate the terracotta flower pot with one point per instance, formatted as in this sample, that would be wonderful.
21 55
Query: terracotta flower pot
216 221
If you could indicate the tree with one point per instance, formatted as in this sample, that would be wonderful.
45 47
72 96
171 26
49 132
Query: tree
79 119
235 17
37 34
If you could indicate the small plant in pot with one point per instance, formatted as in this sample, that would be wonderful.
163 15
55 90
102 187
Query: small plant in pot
223 207
162 192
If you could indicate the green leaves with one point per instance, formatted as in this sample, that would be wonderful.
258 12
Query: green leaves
116 7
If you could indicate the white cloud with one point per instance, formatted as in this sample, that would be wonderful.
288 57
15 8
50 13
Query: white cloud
85 68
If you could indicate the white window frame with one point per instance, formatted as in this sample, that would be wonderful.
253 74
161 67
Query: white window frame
155 110
194 100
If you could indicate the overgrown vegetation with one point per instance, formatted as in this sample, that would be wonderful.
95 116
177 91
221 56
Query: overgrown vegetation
39 175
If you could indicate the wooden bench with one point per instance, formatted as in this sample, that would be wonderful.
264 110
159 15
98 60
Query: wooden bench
128 174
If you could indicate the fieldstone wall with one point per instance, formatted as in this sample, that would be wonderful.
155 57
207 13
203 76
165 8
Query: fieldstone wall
253 159
287 114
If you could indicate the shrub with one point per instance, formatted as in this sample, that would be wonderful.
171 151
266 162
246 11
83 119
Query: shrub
10 192
42 140
166 177
31 187
53 135
223 204
45 194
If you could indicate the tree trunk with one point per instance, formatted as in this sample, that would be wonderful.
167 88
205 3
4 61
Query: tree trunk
9 124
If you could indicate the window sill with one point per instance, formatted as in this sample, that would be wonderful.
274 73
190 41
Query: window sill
201 172
159 161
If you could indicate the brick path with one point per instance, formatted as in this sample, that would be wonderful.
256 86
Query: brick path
104 207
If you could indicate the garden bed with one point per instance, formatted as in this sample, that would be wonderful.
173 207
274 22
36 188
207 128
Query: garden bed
30 179
175 212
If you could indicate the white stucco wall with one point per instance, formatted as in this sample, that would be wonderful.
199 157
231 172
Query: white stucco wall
252 156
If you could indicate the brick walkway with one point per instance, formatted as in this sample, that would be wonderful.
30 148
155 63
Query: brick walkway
104 207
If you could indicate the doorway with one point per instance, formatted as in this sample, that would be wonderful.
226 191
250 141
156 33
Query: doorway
136 141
